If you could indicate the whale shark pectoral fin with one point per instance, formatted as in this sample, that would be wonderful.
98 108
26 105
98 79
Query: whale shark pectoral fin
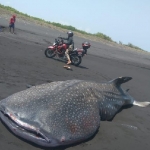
120 80
141 104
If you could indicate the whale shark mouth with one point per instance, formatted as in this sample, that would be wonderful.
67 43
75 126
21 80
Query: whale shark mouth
22 129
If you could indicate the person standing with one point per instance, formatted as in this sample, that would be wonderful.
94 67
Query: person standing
12 23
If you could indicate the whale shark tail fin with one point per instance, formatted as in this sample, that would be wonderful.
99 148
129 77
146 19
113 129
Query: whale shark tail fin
141 104
120 80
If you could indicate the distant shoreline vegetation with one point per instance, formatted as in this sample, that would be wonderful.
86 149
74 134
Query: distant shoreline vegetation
69 27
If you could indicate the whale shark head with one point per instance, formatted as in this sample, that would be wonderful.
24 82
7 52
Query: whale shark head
26 128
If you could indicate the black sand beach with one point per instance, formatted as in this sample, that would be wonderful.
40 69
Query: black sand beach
22 62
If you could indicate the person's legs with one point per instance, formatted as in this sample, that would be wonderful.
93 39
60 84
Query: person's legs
67 54
13 26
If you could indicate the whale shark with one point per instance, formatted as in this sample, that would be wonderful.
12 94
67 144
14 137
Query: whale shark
64 112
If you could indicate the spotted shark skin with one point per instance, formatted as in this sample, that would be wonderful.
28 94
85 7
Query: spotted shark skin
64 112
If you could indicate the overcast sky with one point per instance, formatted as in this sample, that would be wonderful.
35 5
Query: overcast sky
127 21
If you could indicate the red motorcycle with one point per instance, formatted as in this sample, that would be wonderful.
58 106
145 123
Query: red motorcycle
58 49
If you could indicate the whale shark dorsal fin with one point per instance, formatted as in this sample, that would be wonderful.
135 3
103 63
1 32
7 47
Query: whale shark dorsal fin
120 80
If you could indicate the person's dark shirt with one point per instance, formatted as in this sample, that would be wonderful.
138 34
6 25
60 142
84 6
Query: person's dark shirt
69 41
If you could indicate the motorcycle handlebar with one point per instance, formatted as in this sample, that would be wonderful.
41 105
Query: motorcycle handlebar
58 40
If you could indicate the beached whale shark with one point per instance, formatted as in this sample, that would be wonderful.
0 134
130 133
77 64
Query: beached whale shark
64 112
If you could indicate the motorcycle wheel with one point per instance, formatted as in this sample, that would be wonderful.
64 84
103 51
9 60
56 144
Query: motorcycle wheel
49 53
76 60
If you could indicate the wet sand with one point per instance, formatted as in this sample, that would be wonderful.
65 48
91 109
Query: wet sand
22 62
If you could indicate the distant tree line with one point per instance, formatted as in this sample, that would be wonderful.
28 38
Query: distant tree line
68 27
